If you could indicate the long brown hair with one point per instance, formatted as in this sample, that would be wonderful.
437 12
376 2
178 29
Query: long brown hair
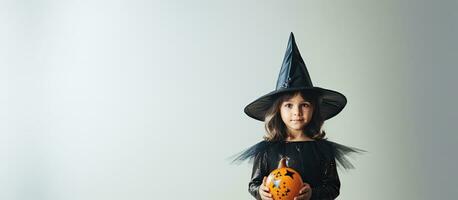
276 128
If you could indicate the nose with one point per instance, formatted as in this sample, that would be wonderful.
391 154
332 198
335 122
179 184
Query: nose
297 111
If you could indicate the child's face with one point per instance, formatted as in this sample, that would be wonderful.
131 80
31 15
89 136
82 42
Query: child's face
296 113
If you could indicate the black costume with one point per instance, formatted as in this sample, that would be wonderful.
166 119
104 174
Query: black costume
314 160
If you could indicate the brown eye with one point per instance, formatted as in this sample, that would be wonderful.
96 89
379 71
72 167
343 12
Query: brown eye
288 105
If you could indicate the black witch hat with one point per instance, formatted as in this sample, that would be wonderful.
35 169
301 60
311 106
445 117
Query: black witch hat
294 76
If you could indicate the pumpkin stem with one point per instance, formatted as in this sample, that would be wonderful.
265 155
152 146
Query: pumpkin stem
282 163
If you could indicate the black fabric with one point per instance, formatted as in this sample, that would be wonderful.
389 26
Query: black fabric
314 160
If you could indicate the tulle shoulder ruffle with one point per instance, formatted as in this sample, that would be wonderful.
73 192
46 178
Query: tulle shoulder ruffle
250 153
341 152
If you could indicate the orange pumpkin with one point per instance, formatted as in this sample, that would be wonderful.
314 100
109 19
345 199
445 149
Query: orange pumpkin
284 182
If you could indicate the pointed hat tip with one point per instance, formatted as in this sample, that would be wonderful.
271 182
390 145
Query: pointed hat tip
292 40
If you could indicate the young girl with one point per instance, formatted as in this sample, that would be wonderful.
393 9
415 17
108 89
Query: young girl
294 114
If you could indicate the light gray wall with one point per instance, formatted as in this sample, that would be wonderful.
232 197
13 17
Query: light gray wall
144 99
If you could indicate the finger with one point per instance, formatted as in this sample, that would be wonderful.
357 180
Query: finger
299 197
264 181
302 190
305 191
305 187
265 189
264 185
308 186
266 198
265 195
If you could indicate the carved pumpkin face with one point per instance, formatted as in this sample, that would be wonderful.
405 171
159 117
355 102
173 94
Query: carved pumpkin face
284 183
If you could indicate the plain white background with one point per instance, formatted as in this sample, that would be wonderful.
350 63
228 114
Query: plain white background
144 99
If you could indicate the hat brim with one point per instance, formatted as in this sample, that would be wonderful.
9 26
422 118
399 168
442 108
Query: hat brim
332 102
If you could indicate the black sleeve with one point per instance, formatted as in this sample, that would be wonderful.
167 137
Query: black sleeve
257 175
330 183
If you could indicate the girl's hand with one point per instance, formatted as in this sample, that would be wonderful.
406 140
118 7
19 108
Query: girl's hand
305 193
264 191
